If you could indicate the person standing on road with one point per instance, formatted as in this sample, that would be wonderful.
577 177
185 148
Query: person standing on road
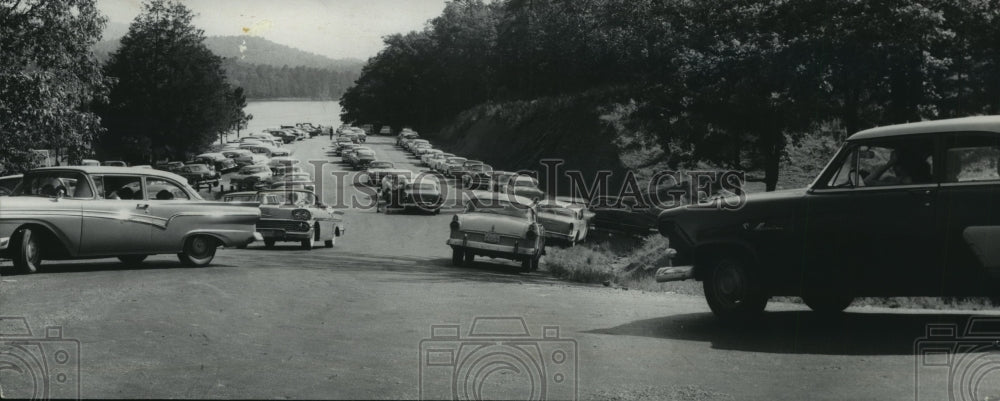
331 133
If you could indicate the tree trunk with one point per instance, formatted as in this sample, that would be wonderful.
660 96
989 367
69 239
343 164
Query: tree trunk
772 162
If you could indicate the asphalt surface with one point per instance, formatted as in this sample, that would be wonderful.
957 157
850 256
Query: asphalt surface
355 321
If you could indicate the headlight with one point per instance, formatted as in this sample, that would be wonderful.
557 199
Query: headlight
301 214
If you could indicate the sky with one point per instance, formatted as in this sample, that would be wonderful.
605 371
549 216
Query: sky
333 28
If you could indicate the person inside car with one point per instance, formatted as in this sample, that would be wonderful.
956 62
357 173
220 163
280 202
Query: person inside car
908 167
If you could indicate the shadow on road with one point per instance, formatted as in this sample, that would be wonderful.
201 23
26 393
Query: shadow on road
798 332
95 266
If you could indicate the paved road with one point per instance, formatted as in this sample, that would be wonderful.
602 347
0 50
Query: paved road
350 322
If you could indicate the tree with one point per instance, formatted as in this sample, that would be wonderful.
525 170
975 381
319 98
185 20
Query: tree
172 98
48 79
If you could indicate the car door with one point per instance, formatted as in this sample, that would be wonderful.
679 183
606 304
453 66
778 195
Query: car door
116 222
171 208
969 219
894 228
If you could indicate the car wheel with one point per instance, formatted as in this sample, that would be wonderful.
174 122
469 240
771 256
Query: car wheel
733 292
828 304
269 243
28 251
328 243
528 264
307 244
457 255
132 259
198 251
469 258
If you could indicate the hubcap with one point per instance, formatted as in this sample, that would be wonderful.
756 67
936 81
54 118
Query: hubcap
729 285
31 250
199 247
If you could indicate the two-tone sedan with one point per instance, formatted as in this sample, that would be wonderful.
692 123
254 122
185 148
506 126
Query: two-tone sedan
478 176
563 222
60 213
498 226
376 171
294 181
251 178
293 216
421 194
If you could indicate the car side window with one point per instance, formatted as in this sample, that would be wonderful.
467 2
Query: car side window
972 158
161 189
847 175
124 187
896 161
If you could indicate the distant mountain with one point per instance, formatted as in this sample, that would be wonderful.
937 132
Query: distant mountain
246 49
256 50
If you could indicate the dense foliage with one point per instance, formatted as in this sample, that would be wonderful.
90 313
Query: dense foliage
172 98
48 78
262 81
730 81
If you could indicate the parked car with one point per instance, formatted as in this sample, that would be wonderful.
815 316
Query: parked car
310 128
421 149
426 157
282 162
351 156
498 226
169 166
200 175
360 159
114 163
219 161
450 162
478 176
411 144
286 137
298 216
8 183
128 213
242 157
89 162
376 171
500 180
420 194
563 222
251 178
438 158
460 171
901 210
405 135
522 185
294 181
385 130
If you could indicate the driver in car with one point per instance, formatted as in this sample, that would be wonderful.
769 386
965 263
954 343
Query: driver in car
908 167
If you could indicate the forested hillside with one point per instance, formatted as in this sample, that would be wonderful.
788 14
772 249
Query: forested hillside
267 70
728 83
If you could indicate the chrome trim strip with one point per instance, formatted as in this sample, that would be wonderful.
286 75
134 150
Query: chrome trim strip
4 243
492 247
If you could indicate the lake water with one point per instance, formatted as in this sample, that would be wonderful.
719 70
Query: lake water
274 114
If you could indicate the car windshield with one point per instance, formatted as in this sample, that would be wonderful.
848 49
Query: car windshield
480 168
456 160
297 198
498 206
49 183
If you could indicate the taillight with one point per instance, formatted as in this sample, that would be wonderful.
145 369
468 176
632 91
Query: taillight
454 223
532 233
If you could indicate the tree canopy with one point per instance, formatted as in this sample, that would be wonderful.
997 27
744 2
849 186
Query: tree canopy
732 80
48 79
171 98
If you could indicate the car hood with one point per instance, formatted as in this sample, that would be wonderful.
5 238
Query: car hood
486 222
771 209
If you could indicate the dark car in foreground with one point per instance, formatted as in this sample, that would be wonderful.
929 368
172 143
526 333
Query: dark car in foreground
902 210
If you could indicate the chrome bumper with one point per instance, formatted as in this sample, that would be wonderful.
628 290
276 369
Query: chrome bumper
278 234
4 243
492 247
676 273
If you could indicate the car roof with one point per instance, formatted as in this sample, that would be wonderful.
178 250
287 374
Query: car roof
967 124
497 196
112 170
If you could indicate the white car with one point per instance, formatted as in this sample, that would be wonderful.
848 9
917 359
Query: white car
425 159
